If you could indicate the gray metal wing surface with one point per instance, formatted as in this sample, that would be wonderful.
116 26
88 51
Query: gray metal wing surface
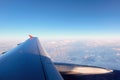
28 61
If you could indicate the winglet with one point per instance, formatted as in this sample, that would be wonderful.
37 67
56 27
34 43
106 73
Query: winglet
30 36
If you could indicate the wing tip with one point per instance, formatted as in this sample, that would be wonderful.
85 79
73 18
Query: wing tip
30 36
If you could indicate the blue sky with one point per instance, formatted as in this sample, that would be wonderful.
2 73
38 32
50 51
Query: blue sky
60 18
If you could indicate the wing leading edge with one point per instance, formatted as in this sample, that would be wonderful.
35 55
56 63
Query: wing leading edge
28 61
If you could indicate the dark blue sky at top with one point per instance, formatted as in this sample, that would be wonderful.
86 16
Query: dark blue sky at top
60 18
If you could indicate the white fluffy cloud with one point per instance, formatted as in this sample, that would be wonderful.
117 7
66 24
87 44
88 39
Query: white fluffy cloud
85 52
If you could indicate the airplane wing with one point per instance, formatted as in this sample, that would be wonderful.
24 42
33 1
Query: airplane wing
28 61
